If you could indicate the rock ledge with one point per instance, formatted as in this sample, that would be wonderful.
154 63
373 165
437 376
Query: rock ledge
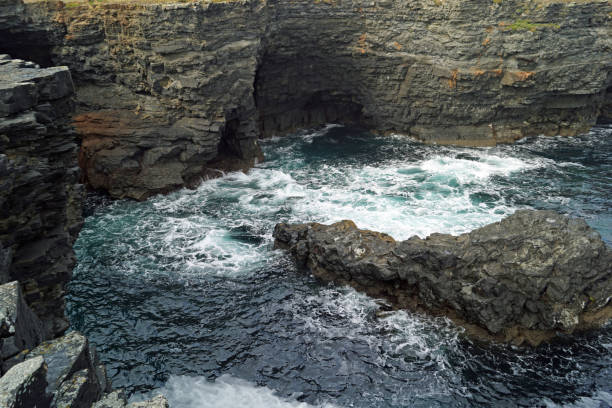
525 279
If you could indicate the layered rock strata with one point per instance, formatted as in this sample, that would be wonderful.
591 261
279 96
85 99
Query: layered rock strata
169 93
524 279
40 204
40 197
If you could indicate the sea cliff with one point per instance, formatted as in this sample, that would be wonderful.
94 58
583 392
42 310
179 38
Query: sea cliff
169 93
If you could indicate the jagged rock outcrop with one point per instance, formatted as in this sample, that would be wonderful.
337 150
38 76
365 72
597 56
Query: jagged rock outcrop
165 91
40 197
523 279
169 91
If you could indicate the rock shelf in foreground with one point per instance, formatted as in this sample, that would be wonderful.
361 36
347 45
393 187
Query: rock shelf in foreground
522 280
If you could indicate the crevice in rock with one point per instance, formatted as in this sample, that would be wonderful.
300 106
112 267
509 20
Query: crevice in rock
229 145
605 115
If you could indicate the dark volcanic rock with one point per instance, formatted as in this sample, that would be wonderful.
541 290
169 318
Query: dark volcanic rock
522 279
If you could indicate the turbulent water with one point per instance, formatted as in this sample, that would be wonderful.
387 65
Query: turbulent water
183 293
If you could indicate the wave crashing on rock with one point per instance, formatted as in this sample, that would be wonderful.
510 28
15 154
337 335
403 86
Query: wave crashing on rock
525 279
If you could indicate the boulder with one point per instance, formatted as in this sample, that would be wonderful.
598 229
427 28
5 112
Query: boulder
65 356
80 391
20 328
115 399
157 402
525 279
23 386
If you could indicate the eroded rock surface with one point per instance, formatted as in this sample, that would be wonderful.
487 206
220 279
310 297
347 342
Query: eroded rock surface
169 92
523 279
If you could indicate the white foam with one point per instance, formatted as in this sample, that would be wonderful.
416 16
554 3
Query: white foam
357 317
193 230
465 170
225 392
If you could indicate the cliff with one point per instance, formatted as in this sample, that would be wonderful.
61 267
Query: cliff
40 216
168 93
40 198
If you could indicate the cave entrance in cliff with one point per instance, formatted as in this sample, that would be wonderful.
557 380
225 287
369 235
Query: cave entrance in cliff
310 110
229 145
302 91
29 46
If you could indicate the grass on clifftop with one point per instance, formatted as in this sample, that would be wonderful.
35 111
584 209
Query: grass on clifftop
77 3
524 25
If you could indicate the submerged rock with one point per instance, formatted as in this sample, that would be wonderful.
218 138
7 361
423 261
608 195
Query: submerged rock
524 279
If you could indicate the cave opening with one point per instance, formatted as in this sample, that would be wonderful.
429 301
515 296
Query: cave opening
27 45
605 115
229 145
303 90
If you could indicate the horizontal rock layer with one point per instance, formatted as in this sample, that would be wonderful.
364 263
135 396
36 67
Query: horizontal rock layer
522 279
168 92
40 197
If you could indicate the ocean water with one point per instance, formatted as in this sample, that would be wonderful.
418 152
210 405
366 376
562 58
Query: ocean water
183 294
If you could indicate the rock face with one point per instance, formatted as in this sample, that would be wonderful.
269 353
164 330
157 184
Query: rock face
40 198
40 204
522 279
23 386
169 91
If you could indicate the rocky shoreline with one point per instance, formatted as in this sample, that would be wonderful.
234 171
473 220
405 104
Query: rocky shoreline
138 99
524 280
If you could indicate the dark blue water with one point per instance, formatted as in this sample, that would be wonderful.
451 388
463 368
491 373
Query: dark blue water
183 293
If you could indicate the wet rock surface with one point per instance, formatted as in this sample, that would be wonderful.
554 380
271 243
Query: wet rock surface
524 279
169 93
